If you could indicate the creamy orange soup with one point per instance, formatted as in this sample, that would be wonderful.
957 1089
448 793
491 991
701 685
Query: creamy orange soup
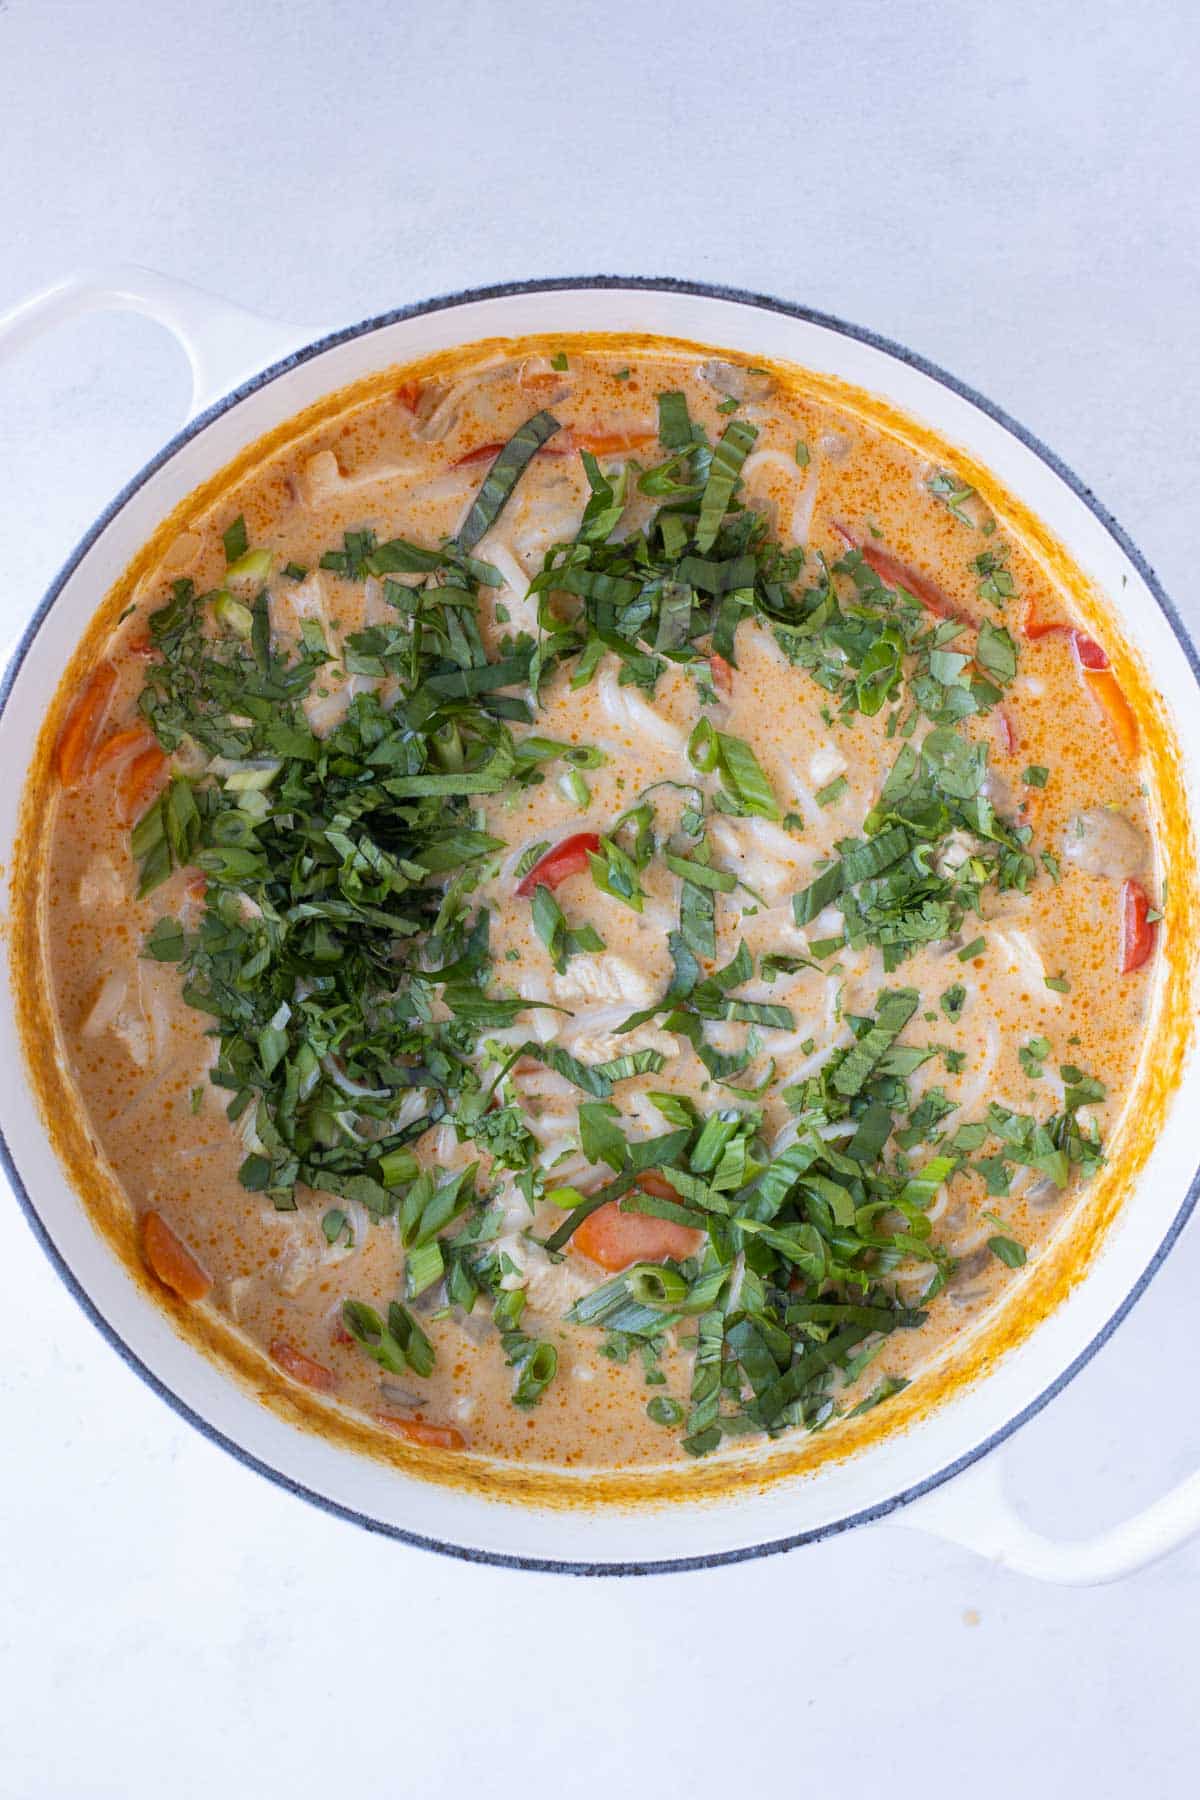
600 906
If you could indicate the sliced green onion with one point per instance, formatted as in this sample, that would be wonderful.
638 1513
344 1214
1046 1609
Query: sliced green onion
538 1370
232 615
425 1266
253 568
653 1284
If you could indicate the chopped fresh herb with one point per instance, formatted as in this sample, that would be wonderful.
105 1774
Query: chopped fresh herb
1010 1253
235 540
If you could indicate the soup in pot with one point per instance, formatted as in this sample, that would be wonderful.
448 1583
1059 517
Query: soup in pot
599 905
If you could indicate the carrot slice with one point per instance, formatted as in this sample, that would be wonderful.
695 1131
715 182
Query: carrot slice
722 673
302 1368
1138 930
617 1239
137 782
171 1260
421 1431
568 858
120 744
651 1182
83 724
896 574
612 443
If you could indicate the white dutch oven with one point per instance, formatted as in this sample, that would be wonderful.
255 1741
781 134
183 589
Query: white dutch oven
940 1472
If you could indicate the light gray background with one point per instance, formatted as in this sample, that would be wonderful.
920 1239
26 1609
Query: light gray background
1011 190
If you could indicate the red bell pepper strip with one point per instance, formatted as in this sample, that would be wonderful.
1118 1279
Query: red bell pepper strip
562 445
568 858
896 574
1005 732
1138 930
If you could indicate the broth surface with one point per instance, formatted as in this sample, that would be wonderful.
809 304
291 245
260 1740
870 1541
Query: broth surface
1031 991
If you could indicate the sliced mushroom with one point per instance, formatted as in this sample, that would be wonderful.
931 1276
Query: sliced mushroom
1102 841
738 381
967 1282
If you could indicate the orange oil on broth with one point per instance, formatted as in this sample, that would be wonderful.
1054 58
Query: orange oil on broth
275 1277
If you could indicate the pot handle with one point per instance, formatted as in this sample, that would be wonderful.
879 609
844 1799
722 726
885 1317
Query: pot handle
223 343
974 1511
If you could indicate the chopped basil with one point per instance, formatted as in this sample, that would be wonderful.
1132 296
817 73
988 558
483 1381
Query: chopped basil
344 955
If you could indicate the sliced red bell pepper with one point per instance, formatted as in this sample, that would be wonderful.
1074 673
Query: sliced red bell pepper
561 444
1138 930
1005 732
1088 652
568 858
896 574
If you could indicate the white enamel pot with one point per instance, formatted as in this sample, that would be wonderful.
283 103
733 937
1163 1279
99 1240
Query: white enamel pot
941 1476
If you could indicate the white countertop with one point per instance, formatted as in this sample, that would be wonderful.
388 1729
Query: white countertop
1009 190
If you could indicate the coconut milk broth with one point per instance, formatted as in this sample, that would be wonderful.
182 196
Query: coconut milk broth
140 1056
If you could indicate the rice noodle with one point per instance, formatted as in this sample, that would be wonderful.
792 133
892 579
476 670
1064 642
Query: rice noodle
971 1092
803 482
514 594
626 708
355 1089
325 712
109 999
1025 962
